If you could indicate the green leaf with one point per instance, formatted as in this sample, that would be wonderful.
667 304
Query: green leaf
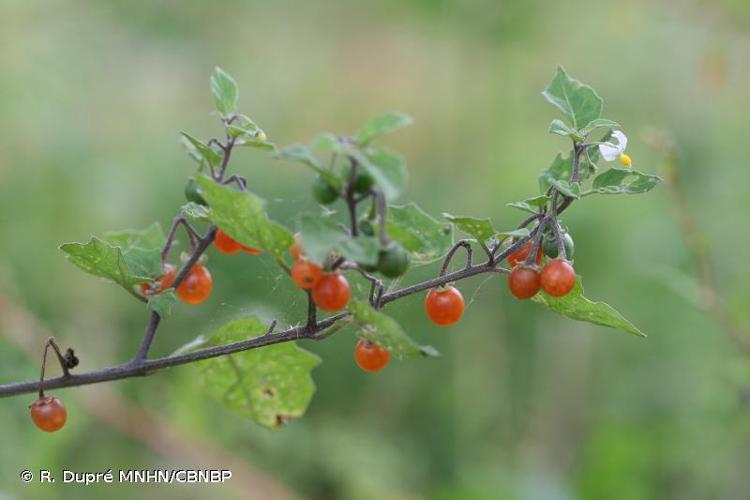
387 170
560 169
128 258
195 211
322 236
578 102
378 328
149 238
242 216
102 259
326 142
224 89
623 181
199 151
559 127
391 167
303 154
271 385
598 123
572 189
162 302
531 204
574 305
425 238
480 229
140 248
382 124
515 233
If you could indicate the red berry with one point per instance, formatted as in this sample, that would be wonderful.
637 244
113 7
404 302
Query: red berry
444 306
226 244
558 277
523 282
370 357
306 274
49 414
161 283
251 250
196 287
331 293
520 255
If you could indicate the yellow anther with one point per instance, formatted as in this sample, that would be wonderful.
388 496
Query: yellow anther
626 160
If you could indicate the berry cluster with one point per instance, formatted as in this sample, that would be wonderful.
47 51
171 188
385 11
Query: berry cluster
380 242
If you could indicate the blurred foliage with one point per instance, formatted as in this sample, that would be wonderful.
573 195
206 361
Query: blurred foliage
522 404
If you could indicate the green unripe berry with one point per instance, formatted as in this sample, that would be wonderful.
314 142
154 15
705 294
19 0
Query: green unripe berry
193 192
323 192
365 227
549 245
362 182
393 261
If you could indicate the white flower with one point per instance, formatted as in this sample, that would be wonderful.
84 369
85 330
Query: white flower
611 151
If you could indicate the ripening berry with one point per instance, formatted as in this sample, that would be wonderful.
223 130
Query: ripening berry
306 274
296 249
558 277
331 293
371 357
523 282
444 306
197 285
161 283
226 244
49 414
520 255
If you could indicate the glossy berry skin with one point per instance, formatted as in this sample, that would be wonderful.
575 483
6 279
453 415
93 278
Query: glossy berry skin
558 277
192 193
370 357
49 414
306 274
444 306
226 244
550 246
519 256
323 192
196 287
523 282
331 293
161 283
393 261
229 246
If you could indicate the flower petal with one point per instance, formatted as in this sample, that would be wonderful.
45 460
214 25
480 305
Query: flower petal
622 139
609 151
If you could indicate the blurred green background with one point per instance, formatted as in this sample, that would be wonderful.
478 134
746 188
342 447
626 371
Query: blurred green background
522 404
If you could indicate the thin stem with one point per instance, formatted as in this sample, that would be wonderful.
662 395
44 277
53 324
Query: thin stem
312 311
381 209
449 256
558 239
41 376
349 193
537 241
